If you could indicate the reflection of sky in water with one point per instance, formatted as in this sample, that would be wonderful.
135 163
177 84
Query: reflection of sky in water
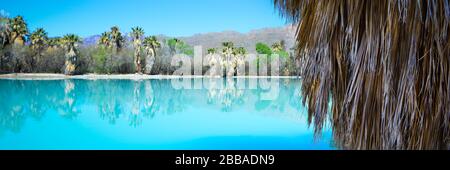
155 114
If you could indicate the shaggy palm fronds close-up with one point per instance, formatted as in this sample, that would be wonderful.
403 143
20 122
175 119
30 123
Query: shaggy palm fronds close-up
383 64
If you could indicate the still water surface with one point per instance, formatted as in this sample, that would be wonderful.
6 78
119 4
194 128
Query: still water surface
156 114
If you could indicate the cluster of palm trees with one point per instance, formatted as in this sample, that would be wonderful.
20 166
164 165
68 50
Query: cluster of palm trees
15 31
112 39
232 60
143 46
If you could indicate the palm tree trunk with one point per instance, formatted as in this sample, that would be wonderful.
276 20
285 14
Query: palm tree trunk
70 66
137 61
149 61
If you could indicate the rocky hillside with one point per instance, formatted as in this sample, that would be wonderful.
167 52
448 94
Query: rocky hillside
247 40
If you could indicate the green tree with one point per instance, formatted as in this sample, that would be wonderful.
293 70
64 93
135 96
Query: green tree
173 43
100 56
178 46
264 56
262 48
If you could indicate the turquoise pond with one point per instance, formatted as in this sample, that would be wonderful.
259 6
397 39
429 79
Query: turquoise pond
196 113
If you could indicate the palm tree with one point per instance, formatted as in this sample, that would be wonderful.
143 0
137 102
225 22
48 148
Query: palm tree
18 29
105 39
278 46
151 44
38 41
117 39
54 42
70 42
137 34
213 61
211 50
239 62
240 51
383 64
228 58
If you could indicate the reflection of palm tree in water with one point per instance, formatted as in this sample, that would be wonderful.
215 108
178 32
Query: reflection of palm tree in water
287 97
108 110
68 110
148 102
212 91
35 103
138 100
173 100
12 117
226 96
109 103
13 113
36 106
296 98
135 117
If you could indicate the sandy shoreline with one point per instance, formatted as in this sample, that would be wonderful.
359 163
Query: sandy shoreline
50 76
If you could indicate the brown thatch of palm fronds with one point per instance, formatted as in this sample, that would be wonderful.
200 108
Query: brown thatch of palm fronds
383 64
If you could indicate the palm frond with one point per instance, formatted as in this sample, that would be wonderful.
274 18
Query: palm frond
384 65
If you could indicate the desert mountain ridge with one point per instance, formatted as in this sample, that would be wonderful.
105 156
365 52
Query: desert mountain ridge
215 39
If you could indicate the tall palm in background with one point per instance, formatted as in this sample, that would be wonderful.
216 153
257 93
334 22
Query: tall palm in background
105 39
137 35
116 38
70 43
19 30
38 42
151 44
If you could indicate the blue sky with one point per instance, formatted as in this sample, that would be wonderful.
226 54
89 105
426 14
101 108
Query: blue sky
169 17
